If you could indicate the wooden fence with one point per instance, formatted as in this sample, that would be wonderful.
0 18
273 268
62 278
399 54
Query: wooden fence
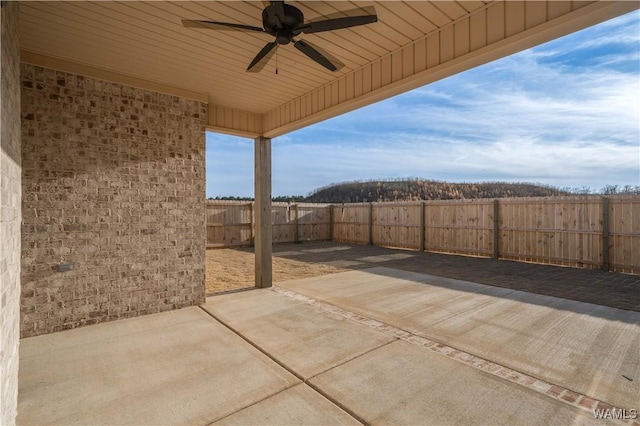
578 231
231 223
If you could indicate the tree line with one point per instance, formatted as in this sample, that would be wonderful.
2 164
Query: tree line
414 189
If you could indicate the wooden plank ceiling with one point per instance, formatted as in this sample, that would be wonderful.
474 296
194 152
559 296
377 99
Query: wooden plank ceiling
412 44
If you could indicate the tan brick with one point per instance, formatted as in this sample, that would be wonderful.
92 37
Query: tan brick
113 178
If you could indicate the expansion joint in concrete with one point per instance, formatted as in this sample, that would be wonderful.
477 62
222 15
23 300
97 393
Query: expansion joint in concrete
255 345
373 349
557 392
286 388
284 366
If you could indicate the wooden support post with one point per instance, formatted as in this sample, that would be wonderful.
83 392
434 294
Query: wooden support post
296 233
422 225
496 229
605 234
370 224
262 212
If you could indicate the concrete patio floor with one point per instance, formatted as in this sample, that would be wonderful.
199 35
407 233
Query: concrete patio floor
376 346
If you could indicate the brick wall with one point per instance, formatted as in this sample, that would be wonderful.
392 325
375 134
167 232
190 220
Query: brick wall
10 190
113 183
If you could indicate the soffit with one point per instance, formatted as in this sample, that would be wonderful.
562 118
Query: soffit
137 42
147 39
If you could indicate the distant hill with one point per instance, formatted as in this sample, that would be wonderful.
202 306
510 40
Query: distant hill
413 189
418 189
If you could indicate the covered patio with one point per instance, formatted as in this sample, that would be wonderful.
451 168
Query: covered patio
371 346
104 313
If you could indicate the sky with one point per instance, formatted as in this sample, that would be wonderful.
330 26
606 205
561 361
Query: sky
565 113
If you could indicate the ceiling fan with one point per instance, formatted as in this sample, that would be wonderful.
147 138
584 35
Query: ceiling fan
285 22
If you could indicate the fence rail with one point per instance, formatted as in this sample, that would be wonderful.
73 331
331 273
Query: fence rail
578 231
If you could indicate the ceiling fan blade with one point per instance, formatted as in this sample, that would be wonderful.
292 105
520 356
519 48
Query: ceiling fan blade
337 23
213 25
261 54
312 53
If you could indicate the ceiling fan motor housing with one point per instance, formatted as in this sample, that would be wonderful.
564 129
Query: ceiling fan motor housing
286 30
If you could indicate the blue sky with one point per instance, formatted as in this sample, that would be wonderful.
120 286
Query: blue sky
565 113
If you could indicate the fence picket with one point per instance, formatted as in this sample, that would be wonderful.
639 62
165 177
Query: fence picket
578 231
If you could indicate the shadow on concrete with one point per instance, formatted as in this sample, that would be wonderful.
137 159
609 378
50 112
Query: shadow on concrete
531 298
593 286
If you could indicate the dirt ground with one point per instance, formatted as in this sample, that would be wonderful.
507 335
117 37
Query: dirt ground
232 269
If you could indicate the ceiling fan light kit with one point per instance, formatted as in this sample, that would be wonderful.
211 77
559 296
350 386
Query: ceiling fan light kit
284 22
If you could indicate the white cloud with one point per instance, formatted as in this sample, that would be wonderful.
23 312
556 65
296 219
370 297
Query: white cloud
568 164
621 30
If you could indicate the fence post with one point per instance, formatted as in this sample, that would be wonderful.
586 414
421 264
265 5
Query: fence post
422 224
330 222
251 225
296 233
496 229
207 225
370 224
605 234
